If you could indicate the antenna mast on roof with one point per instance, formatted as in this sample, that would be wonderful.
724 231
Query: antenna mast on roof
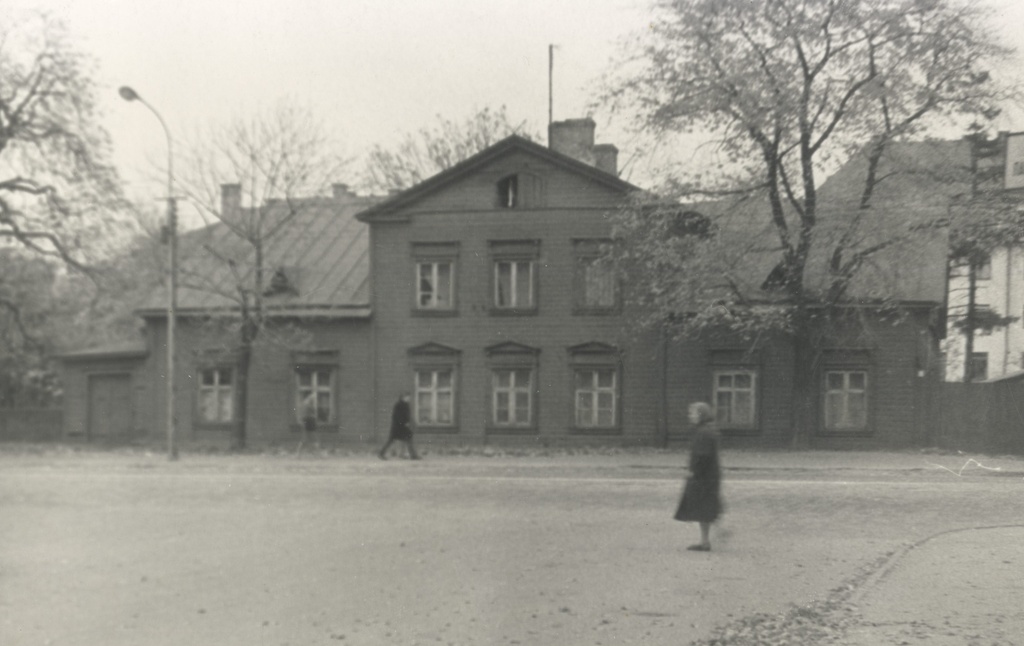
551 76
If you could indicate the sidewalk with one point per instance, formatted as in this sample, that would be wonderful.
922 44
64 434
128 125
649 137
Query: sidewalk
955 589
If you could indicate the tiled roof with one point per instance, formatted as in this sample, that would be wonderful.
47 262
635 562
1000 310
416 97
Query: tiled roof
323 251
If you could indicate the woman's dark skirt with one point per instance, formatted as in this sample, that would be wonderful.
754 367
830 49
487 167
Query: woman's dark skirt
701 501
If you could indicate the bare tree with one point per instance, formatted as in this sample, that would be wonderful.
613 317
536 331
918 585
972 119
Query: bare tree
274 160
430 150
791 90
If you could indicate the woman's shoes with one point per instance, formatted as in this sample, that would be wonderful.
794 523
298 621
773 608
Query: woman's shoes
699 548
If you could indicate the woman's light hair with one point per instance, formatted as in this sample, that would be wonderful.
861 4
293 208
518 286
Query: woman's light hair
703 411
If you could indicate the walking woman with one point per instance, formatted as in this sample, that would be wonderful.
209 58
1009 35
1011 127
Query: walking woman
702 500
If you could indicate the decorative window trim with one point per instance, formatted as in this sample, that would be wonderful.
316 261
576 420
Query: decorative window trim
516 252
595 356
732 359
315 362
511 356
585 252
435 357
435 254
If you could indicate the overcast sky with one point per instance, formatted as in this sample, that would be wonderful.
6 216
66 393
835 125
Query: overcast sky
372 68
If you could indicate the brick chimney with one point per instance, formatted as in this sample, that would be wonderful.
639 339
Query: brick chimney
230 199
575 138
606 158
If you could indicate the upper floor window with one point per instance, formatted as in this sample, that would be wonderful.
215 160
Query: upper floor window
515 276
435 276
596 288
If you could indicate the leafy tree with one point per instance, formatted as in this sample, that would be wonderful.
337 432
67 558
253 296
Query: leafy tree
61 204
791 90
430 150
273 159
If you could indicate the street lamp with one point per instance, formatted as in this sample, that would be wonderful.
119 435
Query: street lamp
128 94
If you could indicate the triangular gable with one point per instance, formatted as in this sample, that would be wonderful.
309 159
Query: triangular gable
593 347
511 347
434 350
389 208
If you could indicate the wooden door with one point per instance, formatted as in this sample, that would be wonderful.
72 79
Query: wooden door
110 406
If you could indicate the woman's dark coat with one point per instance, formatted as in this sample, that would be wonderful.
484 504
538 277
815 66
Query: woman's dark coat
701 499
401 415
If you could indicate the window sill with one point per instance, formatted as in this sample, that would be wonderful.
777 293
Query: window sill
596 311
590 430
512 311
213 426
436 430
434 313
846 432
320 428
493 429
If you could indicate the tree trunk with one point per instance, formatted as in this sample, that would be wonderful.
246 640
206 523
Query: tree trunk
972 287
804 396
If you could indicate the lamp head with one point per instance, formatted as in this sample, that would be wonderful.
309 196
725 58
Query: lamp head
128 94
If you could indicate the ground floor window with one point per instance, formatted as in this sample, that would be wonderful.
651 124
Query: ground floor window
315 393
596 396
846 400
512 397
435 397
735 398
216 395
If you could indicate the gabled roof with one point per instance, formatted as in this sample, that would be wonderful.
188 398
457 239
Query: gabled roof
918 180
467 166
317 263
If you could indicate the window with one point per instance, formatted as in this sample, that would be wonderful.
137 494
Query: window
515 276
596 284
512 393
846 400
983 271
435 381
979 366
596 397
513 385
315 393
508 192
435 277
513 284
434 285
596 373
216 396
735 398
435 397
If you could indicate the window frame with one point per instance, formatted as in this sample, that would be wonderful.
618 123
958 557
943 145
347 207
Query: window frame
511 356
515 252
313 362
585 253
595 357
755 400
845 392
435 254
434 357
199 420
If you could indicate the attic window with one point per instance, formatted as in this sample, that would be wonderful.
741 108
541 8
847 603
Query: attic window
280 283
508 192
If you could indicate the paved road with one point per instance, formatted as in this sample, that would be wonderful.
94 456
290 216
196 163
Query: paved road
126 550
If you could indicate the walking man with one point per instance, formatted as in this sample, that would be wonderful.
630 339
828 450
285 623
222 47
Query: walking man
401 428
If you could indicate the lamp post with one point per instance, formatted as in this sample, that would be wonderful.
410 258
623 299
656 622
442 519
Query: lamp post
128 94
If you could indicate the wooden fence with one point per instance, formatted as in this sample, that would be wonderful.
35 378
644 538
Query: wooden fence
983 417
